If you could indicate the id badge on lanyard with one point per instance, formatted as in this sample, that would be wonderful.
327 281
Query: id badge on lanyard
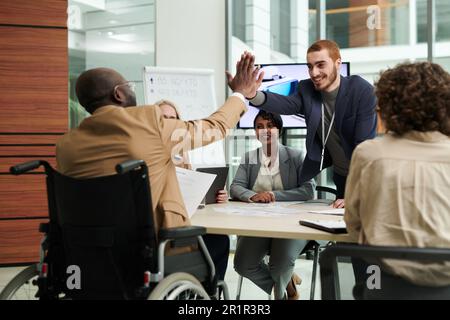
325 139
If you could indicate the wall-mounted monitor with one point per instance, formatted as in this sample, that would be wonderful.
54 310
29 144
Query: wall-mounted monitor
283 79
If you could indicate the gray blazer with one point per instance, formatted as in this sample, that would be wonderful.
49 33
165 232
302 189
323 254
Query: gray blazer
291 161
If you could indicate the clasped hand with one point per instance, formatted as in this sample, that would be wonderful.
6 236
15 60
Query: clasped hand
264 197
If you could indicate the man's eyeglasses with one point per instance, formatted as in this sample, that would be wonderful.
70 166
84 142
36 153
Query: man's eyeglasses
129 84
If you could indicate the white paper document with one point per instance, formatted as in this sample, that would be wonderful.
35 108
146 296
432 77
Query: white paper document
193 185
334 212
259 209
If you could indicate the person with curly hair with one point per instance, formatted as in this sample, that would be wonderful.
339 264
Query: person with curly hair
398 188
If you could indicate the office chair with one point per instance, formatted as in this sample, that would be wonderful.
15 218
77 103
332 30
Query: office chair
321 198
392 287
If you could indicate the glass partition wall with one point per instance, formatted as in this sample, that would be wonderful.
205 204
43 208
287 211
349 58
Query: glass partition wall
117 34
373 35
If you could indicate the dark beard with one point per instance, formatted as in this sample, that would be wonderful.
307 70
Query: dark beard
333 78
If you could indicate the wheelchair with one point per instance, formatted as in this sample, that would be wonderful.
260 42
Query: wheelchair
100 243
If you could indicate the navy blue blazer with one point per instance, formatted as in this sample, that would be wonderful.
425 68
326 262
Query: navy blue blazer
355 120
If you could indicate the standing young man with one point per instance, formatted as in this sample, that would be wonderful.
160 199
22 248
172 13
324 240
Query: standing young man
339 113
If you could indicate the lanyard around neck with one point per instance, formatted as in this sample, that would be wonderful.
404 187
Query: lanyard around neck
325 139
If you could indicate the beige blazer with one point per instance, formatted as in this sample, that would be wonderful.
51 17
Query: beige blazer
115 134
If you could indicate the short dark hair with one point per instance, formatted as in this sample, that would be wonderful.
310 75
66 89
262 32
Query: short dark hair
275 118
414 96
94 87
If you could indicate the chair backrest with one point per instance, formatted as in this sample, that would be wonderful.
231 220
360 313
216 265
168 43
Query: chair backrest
321 190
107 230
330 279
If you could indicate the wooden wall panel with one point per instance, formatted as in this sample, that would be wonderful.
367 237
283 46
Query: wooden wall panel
33 64
20 241
36 13
27 151
23 196
33 114
16 149
359 33
20 139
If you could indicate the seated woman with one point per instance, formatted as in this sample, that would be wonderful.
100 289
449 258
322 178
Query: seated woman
398 189
218 245
270 173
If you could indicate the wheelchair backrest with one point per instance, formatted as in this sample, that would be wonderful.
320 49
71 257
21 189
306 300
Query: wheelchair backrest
106 225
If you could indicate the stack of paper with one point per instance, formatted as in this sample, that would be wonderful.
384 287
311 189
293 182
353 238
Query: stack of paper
331 211
257 209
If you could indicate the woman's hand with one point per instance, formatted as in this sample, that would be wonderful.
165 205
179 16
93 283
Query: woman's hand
264 197
222 196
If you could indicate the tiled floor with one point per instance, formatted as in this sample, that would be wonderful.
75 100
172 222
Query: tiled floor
249 290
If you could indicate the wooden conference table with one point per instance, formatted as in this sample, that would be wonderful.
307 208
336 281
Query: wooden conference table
246 219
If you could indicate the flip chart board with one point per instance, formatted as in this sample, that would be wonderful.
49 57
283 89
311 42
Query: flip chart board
192 90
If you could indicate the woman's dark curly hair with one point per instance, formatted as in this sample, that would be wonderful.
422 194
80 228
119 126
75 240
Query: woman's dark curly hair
415 96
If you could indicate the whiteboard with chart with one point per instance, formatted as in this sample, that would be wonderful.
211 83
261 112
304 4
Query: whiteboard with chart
193 91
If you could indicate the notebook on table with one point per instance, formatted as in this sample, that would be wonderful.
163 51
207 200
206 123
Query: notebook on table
332 226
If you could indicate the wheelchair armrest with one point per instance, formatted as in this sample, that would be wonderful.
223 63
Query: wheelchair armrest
182 232
27 166
129 165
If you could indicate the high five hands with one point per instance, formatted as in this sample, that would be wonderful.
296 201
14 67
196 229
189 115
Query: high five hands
248 78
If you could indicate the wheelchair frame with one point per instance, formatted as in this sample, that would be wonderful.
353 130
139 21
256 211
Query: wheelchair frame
178 285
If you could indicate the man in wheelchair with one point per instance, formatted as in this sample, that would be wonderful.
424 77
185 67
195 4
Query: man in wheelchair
96 223
100 243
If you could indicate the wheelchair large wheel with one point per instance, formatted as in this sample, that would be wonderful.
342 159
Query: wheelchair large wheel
21 287
179 286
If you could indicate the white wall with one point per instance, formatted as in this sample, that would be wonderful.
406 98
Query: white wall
192 34
257 29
